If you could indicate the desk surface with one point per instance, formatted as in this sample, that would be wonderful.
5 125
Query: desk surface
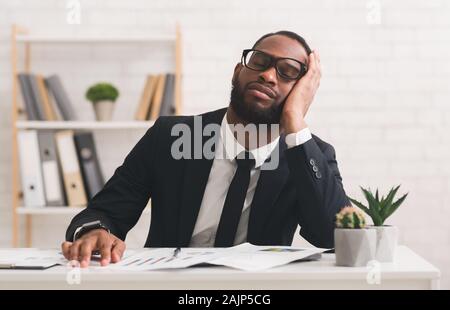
409 271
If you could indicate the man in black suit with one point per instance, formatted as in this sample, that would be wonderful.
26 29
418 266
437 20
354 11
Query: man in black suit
211 185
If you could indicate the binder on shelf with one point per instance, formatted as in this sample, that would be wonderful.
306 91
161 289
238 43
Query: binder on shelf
30 169
54 192
90 166
73 182
56 88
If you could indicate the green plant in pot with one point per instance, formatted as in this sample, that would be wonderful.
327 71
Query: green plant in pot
102 96
354 244
379 209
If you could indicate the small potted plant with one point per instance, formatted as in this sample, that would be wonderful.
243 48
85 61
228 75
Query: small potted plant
379 209
354 244
102 96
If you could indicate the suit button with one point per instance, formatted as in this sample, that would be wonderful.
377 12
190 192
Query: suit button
312 161
315 168
318 175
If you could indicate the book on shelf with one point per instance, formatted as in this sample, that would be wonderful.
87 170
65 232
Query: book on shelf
45 99
58 168
157 98
63 102
146 98
27 96
50 111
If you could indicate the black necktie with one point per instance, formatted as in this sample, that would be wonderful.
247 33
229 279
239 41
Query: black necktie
234 202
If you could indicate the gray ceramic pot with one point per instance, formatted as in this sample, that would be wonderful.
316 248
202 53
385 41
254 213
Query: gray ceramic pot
354 247
104 110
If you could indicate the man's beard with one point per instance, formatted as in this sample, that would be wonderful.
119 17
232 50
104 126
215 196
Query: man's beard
249 112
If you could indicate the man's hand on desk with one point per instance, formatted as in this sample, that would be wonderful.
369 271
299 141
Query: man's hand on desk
109 246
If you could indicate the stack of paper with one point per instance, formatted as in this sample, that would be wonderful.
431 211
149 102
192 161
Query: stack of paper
245 257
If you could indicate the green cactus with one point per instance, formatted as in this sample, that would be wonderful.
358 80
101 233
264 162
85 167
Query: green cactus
350 217
379 209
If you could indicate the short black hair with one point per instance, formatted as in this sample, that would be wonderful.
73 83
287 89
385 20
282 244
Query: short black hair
288 34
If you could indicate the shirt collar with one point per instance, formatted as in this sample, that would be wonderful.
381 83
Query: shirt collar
232 147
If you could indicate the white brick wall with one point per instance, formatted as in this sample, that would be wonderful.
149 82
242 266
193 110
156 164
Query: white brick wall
384 101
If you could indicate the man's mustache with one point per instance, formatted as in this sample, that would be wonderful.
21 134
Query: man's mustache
264 88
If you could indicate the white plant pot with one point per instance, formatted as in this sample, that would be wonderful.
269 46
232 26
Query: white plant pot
103 110
387 240
354 247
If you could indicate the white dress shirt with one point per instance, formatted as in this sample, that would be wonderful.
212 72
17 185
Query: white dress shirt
222 172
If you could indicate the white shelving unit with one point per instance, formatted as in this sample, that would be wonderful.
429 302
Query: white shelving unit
93 40
21 36
79 125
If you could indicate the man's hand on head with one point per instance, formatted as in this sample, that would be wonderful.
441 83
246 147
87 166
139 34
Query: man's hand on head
109 246
301 96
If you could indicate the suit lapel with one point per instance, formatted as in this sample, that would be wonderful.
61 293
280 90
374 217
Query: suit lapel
269 185
194 183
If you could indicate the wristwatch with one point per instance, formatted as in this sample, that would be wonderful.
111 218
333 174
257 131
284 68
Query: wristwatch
88 227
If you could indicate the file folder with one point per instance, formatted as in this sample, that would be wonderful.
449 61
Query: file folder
90 166
54 193
73 183
30 169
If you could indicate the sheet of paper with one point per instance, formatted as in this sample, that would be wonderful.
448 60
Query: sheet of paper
34 257
252 258
31 258
165 258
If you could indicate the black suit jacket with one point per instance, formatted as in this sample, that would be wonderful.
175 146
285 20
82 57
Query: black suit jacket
293 194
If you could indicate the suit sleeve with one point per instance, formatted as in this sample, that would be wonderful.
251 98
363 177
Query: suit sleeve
121 202
320 193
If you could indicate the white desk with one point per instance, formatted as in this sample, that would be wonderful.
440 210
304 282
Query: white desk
409 271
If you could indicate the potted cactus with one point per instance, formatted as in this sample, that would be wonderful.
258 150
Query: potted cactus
354 244
102 96
379 209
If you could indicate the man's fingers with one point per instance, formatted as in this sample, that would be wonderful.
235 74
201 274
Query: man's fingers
65 248
319 67
85 252
110 247
117 250
105 246
312 69
74 251
315 70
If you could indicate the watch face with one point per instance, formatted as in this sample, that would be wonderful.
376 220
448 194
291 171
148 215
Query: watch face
93 223
88 227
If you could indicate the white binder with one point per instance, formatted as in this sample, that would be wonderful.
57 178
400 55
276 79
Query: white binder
54 193
30 169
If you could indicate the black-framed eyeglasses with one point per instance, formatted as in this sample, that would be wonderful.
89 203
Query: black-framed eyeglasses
287 68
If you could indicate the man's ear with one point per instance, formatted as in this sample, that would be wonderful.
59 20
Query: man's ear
237 70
